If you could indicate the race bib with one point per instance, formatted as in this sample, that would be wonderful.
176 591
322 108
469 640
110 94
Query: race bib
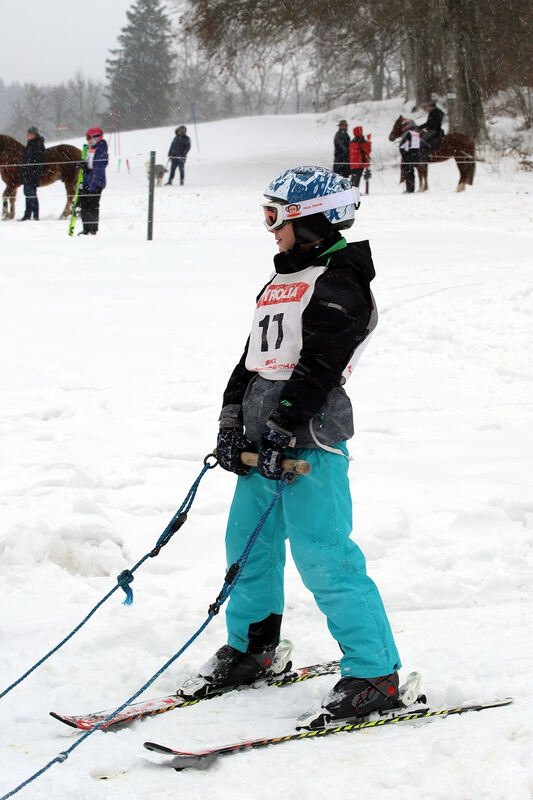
276 337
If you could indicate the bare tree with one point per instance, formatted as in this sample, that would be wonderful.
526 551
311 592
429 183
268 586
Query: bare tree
464 49
74 105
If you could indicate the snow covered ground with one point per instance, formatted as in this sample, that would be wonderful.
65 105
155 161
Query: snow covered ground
114 352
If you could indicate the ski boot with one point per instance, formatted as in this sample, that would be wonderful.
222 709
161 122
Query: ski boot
229 668
356 698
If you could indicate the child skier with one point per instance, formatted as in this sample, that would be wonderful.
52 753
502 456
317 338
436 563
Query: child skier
285 397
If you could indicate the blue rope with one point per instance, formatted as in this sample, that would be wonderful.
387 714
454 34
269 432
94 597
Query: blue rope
229 584
126 577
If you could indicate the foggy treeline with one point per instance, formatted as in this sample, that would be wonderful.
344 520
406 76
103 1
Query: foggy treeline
222 58
70 105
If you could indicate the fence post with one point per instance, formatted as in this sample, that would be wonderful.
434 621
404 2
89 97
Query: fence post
151 182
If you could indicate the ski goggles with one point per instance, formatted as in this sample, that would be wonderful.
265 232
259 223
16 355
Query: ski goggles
277 214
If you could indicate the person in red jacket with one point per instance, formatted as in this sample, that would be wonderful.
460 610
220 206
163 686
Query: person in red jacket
359 155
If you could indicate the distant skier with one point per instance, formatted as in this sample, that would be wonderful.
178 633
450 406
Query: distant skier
341 152
31 170
286 397
94 181
180 146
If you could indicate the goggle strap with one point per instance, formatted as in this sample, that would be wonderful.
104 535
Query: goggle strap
316 205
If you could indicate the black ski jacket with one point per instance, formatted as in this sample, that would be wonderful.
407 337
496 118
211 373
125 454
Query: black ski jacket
180 146
32 162
434 120
334 324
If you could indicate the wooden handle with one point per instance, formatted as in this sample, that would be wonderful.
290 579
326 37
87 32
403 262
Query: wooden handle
296 465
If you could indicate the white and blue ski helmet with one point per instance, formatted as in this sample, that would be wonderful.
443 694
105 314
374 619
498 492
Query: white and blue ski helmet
335 200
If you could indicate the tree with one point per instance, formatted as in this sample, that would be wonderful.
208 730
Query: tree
75 105
140 74
464 49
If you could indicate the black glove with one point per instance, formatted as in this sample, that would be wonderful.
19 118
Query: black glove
274 441
231 442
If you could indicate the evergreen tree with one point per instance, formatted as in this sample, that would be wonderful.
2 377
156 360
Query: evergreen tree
140 75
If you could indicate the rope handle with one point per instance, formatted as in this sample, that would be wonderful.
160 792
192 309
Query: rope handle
230 580
296 465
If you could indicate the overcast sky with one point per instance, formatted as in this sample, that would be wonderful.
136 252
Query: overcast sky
48 41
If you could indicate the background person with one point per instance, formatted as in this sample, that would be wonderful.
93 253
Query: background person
341 150
359 155
410 153
31 170
93 180
180 146
432 127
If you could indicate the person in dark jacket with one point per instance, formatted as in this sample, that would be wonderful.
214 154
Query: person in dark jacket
180 146
341 150
31 171
286 397
93 181
433 126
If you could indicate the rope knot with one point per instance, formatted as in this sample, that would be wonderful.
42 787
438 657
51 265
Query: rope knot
124 580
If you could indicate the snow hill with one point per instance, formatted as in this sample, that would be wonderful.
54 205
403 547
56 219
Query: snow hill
114 354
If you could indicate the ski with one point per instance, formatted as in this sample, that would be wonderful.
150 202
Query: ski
150 708
79 179
203 759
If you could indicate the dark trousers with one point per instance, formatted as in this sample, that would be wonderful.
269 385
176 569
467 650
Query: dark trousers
431 139
177 163
32 203
355 177
410 158
90 210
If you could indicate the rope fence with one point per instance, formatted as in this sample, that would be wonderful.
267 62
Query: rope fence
499 163
375 163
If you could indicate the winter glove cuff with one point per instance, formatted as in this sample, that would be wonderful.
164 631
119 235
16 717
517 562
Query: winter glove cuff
275 434
231 416
277 430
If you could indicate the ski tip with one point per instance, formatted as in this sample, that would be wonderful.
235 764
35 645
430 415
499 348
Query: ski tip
158 748
505 701
64 720
181 760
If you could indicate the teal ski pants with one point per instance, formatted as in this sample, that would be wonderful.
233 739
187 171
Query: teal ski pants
315 514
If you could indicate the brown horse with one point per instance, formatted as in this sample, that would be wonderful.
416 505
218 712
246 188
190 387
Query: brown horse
453 145
60 164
